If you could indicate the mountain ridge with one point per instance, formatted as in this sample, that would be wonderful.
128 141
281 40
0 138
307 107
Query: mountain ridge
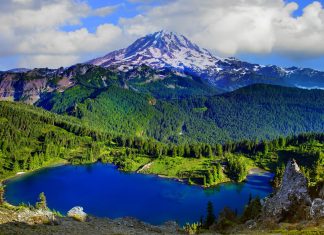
165 49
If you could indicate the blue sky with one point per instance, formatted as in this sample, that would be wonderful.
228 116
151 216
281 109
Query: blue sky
283 60
128 10
71 31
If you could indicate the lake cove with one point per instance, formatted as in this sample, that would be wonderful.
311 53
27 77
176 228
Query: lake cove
104 191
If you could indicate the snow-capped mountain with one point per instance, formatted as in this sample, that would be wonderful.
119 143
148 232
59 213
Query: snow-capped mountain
170 50
159 50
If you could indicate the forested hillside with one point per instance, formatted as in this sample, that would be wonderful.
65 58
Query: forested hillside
166 106
31 138
262 111
254 112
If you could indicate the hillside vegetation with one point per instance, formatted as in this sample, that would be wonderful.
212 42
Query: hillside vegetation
255 112
167 106
31 138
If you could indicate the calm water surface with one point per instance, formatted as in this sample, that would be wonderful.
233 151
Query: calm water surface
104 191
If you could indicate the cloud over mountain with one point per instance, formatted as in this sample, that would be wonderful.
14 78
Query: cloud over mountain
32 29
51 32
230 26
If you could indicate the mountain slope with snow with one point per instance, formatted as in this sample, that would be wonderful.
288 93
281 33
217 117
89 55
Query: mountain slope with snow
168 50
160 50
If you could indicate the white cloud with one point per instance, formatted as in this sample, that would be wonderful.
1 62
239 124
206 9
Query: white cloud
229 27
104 11
31 29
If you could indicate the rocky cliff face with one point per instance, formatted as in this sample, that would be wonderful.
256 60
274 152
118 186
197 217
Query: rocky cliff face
291 196
30 85
12 88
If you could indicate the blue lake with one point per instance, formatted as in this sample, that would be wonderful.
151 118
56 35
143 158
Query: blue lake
104 191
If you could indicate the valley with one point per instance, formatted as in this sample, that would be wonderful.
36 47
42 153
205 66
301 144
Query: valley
196 116
161 118
41 137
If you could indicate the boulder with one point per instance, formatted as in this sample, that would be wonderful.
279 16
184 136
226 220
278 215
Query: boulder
317 208
77 213
292 197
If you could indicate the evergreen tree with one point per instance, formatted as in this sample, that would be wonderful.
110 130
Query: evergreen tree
16 166
204 180
219 171
252 210
210 178
41 204
208 151
219 150
282 142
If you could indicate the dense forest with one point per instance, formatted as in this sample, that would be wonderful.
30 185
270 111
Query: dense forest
254 112
31 138
176 124
166 106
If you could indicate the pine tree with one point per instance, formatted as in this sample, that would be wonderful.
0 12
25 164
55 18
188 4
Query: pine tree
219 171
204 180
208 151
210 178
219 150
282 142
265 148
41 204
16 166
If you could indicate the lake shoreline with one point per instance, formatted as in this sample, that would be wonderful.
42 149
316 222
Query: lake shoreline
252 171
22 173
106 181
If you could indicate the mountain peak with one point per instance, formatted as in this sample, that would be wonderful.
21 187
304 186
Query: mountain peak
159 50
168 50
165 34
166 42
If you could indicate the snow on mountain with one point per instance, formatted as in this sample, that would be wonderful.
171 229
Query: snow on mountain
159 50
170 50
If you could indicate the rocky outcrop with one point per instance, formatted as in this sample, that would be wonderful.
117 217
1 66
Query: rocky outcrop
39 216
30 85
291 196
28 222
317 208
77 213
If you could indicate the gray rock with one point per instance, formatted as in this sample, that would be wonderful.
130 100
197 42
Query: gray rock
250 224
293 191
77 213
39 216
317 208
